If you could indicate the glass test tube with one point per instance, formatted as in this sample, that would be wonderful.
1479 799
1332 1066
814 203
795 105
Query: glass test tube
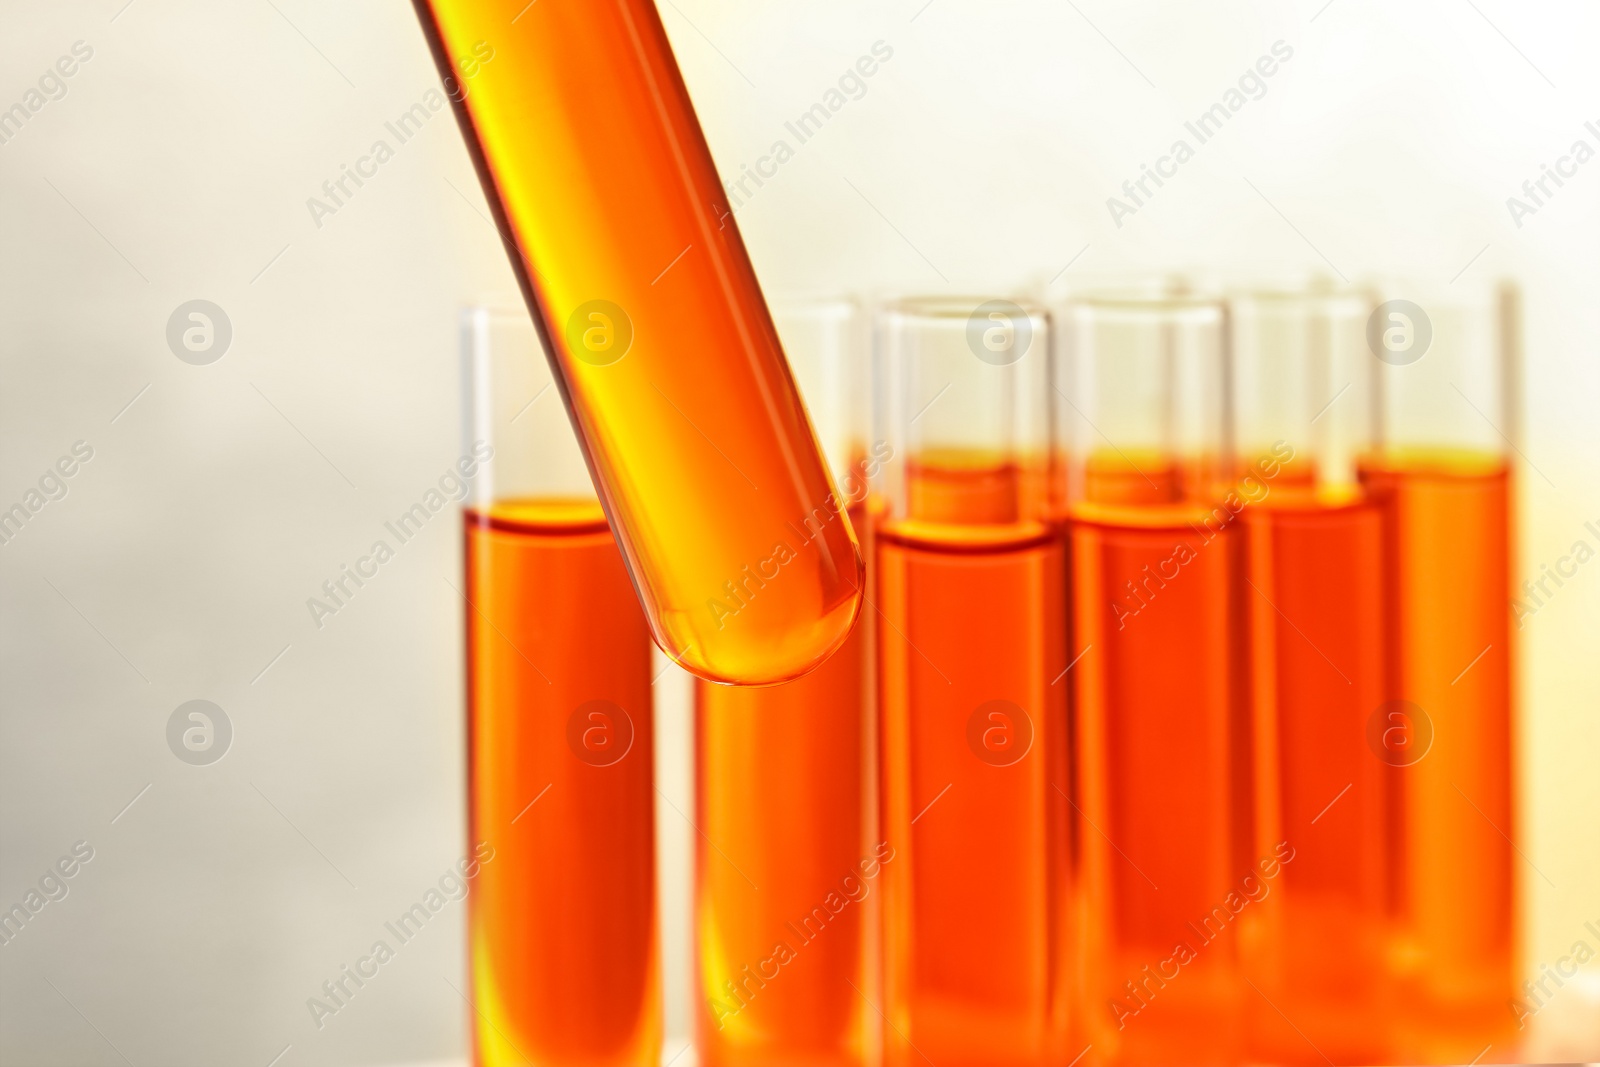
970 575
787 869
1161 732
1302 376
632 265
562 923
1445 403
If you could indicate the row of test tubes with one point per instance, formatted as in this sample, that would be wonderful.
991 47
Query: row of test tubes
1176 723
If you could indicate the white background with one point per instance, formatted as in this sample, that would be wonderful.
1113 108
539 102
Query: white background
178 166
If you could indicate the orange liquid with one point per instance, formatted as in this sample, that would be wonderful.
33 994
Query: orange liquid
781 804
1448 538
961 486
1161 789
1141 477
1314 607
976 945
1298 471
701 450
562 921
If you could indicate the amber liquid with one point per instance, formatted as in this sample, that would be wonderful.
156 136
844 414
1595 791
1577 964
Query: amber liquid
1138 477
784 860
562 921
1447 532
1161 789
607 198
976 944
1315 613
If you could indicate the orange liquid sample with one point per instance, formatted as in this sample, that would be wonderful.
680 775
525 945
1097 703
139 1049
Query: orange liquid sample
1113 477
700 448
1161 786
1139 477
1448 532
968 486
971 636
562 920
781 773
1314 606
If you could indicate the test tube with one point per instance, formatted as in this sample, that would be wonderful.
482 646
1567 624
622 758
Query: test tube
970 579
1162 755
562 921
631 263
1446 416
1302 376
787 871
